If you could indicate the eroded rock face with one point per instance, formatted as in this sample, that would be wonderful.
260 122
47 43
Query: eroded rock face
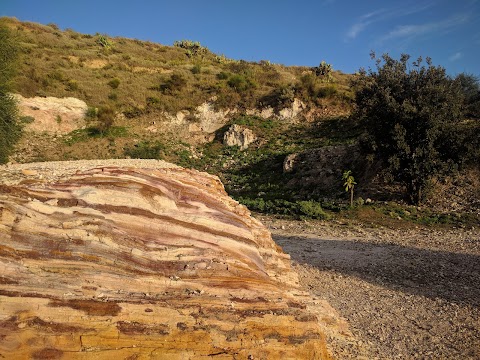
239 136
51 114
143 263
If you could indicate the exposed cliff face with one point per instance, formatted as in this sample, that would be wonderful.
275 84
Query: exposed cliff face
63 115
51 114
142 262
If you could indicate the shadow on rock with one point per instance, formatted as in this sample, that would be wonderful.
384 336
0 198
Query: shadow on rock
450 276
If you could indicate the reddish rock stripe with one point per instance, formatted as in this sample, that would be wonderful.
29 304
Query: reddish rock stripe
144 263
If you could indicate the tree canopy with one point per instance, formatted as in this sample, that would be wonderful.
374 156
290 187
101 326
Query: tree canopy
407 108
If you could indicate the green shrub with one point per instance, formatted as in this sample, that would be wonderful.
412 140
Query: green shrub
223 75
10 129
196 69
152 100
27 119
145 150
280 97
91 113
470 86
312 209
133 112
80 135
105 119
114 83
72 85
173 85
327 91
240 83
57 75
405 110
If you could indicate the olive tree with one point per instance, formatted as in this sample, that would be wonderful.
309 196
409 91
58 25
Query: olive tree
406 108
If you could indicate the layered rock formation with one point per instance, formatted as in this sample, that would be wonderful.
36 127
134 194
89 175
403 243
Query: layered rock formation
149 262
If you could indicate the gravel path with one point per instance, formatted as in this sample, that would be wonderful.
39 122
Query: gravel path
407 294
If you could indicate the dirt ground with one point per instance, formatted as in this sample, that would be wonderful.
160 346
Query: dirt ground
406 293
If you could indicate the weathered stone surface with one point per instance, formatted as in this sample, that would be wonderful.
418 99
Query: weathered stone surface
240 136
51 114
289 162
143 263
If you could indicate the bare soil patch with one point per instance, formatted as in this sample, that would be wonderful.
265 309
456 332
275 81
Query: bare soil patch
406 293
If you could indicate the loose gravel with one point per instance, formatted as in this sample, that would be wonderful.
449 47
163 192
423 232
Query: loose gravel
407 294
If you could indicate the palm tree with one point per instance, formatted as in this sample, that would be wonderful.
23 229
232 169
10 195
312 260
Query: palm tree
349 184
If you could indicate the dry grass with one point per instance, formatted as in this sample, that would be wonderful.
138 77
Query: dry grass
67 63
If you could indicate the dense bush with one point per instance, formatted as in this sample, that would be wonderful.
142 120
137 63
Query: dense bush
102 119
240 82
114 83
174 84
309 209
9 126
279 98
406 110
145 150
471 91
327 91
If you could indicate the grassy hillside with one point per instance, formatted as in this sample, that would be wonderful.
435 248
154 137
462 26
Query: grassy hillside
137 76
142 82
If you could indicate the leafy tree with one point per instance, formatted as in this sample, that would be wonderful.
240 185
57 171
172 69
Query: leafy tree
9 126
349 184
406 108
470 85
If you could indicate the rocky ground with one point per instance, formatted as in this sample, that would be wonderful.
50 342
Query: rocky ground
407 294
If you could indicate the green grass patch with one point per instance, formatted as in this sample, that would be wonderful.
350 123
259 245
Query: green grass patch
297 209
81 135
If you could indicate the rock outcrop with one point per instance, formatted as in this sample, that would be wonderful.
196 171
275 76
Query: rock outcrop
240 136
51 114
146 262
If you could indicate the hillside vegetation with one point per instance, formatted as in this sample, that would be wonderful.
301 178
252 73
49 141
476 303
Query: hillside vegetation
139 77
136 91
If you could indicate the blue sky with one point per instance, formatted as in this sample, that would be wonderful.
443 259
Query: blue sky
298 32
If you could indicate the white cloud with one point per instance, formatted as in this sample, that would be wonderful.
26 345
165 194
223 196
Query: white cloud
456 56
382 15
356 29
362 23
411 31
